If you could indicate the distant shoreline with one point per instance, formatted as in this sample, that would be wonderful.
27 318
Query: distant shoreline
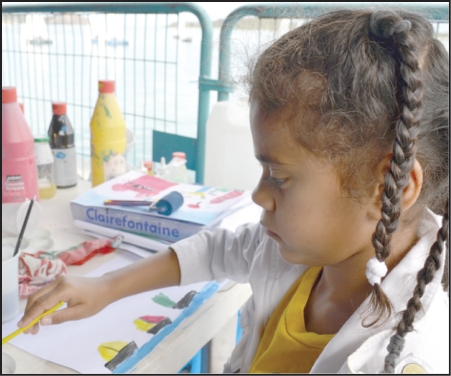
246 23
57 19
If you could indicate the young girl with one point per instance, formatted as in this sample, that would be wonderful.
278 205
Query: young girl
349 117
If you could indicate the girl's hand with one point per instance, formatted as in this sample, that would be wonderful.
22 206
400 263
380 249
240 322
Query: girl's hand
84 296
87 296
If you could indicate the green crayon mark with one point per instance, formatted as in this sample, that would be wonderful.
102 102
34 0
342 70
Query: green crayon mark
163 300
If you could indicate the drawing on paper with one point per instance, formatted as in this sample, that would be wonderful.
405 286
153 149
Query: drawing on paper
230 195
115 353
151 324
160 325
144 186
165 301
185 301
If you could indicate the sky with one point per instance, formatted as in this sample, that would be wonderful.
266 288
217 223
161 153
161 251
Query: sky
216 10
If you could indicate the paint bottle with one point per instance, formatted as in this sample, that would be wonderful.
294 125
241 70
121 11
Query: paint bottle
19 172
44 163
108 136
62 143
178 172
148 166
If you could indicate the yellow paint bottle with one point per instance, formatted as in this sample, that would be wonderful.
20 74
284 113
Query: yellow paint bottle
108 136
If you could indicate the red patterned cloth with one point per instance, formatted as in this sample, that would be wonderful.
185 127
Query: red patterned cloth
39 269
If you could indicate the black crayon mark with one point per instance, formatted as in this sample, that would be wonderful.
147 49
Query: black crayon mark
125 353
185 301
160 325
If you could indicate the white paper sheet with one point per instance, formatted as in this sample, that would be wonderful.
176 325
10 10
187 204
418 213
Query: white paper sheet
75 344
137 240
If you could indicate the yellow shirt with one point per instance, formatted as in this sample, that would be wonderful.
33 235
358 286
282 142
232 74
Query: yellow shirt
286 346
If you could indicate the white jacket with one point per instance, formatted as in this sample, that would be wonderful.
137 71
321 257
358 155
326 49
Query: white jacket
248 255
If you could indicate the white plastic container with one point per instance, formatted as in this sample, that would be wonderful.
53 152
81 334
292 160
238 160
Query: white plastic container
175 170
44 163
8 364
178 172
13 216
10 283
229 154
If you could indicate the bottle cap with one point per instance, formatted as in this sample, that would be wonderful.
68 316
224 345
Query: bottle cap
22 107
148 165
41 138
9 94
59 108
179 154
106 86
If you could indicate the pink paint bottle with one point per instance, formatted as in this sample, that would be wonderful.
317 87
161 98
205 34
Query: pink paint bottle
19 172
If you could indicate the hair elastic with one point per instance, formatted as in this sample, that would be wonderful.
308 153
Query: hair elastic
375 270
386 23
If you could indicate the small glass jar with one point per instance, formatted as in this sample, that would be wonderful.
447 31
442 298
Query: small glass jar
44 163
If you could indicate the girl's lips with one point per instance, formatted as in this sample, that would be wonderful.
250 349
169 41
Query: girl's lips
272 235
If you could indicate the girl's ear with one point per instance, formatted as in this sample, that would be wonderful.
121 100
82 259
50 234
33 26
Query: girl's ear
413 189
410 192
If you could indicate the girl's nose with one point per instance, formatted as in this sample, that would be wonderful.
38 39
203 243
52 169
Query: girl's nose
262 196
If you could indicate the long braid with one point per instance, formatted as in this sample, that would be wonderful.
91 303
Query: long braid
445 238
384 24
392 31
424 277
359 62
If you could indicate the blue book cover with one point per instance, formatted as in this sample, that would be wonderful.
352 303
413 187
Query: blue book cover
203 207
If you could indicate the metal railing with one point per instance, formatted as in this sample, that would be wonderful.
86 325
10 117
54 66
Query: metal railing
271 21
57 52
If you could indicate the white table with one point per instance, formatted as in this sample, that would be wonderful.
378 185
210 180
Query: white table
185 340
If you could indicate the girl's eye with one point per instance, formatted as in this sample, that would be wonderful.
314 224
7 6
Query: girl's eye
273 182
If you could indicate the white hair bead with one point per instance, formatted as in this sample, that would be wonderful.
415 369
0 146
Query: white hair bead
375 271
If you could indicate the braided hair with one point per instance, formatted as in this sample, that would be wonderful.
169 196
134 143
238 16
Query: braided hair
392 30
379 83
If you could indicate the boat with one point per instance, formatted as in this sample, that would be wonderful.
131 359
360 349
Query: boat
36 30
182 32
184 39
39 41
116 42
112 42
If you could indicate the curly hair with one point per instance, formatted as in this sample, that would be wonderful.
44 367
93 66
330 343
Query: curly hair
378 81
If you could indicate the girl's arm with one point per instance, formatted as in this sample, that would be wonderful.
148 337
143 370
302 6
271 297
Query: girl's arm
87 296
219 254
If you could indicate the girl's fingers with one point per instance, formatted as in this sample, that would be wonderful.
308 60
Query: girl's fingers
30 330
35 329
75 312
38 305
41 292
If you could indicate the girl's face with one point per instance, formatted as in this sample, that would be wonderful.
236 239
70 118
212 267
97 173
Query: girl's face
304 208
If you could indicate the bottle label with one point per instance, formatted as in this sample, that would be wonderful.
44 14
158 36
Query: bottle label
14 183
65 167
42 153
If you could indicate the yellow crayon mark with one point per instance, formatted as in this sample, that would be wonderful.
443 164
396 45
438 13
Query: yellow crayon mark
143 325
109 350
